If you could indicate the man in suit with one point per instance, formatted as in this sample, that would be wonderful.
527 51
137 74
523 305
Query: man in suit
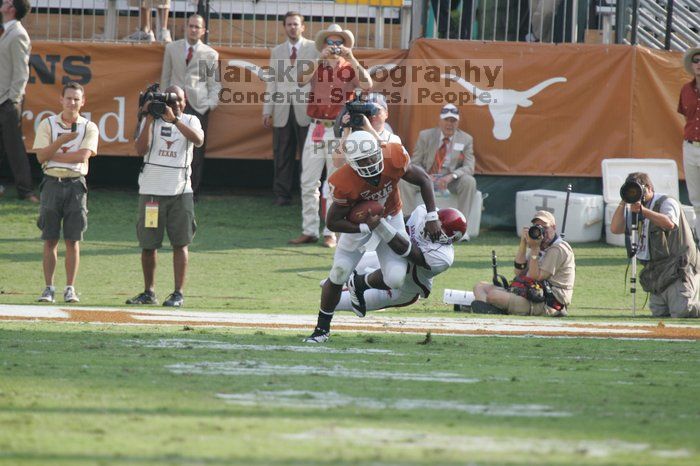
14 73
288 119
181 67
447 154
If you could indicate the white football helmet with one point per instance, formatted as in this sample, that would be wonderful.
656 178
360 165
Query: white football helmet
364 154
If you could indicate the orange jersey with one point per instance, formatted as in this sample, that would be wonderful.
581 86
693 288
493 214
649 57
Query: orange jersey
348 188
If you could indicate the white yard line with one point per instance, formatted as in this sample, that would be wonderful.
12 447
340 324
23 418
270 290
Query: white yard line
302 399
191 343
247 368
482 444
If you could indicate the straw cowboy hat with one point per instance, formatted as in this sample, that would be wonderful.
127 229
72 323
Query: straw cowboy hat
687 58
334 30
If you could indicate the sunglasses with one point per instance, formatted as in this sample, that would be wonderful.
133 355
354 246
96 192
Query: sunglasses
337 43
449 110
696 60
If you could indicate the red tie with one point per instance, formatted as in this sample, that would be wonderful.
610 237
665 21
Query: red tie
189 56
440 157
293 55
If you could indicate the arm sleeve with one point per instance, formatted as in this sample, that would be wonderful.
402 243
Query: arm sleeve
42 138
339 194
270 87
467 167
92 136
421 150
439 259
167 69
19 51
213 81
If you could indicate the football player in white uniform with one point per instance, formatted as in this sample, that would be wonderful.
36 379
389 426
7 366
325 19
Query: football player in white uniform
426 259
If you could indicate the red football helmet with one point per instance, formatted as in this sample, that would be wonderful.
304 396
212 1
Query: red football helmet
453 225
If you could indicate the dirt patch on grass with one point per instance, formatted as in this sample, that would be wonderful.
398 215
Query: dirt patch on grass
467 325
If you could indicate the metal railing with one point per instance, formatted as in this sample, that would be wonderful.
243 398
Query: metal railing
254 23
669 24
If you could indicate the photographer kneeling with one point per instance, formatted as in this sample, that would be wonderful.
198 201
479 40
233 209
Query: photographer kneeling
166 143
666 247
544 281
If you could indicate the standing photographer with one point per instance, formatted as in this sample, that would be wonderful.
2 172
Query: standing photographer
333 78
166 142
666 247
544 277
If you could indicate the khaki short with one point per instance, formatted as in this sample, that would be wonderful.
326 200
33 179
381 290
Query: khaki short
63 205
175 215
151 3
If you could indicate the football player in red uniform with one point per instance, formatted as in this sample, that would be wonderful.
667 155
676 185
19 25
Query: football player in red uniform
372 172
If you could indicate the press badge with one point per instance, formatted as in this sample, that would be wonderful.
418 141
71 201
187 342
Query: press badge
151 214
458 146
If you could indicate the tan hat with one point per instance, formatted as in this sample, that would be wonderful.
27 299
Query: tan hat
688 57
546 217
334 30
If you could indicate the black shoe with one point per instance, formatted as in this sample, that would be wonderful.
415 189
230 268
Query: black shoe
319 336
174 300
143 298
482 307
357 287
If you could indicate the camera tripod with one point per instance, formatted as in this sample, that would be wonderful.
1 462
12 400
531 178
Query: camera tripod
632 249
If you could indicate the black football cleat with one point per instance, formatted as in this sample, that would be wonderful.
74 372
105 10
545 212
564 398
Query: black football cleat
357 287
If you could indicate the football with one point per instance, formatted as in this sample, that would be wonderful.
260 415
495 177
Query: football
364 209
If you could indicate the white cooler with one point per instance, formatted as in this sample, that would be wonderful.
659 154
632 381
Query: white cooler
663 173
474 219
584 220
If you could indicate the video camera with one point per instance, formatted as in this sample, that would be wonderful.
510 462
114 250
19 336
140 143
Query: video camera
358 107
632 192
159 100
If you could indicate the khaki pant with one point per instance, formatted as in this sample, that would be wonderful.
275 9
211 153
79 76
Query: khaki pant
314 157
680 299
691 165
463 187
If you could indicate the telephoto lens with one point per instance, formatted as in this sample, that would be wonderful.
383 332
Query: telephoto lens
631 192
536 231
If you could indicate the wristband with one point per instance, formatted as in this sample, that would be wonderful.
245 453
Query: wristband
364 228
431 216
408 251
535 257
385 231
175 121
519 266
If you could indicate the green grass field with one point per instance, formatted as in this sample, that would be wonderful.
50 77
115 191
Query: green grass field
84 394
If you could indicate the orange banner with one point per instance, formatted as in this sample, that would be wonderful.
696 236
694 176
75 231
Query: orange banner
532 109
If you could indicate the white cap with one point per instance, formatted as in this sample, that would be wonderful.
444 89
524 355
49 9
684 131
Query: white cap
449 111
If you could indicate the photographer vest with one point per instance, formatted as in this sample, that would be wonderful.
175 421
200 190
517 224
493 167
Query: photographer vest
673 254
56 130
166 167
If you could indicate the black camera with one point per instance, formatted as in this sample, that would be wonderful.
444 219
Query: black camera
632 192
357 108
159 100
536 232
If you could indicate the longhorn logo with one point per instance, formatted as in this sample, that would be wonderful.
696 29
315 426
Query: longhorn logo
503 102
168 143
65 149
